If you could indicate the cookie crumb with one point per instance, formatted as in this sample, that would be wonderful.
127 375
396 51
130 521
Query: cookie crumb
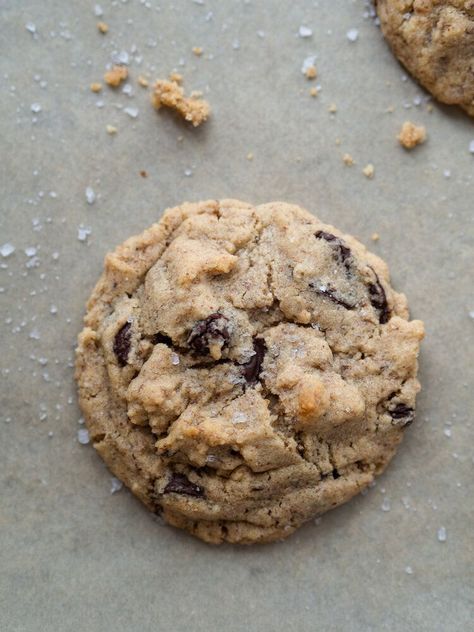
411 135
102 27
176 77
170 94
115 76
375 237
111 129
250 156
311 72
313 92
369 171
197 50
144 174
332 108
96 87
348 160
143 81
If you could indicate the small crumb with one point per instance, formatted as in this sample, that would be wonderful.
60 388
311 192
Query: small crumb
375 237
198 51
369 171
411 135
143 81
313 92
102 27
96 87
115 76
250 156
311 72
348 160
144 174
111 129
390 109
332 108
338 141
171 95
176 77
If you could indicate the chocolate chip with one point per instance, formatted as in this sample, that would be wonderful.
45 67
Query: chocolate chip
122 344
180 484
341 250
162 339
325 289
251 369
212 330
378 299
402 415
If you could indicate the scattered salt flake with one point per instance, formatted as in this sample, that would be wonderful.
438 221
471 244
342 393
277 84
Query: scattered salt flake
36 107
7 249
447 173
471 313
121 58
30 251
408 570
305 31
175 359
30 27
115 484
386 505
83 233
90 195
211 458
239 418
236 44
261 34
308 63
447 432
34 334
471 146
127 89
442 535
83 436
188 173
98 11
132 112
352 35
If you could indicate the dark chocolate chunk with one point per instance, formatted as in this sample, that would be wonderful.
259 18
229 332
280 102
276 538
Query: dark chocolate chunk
251 369
325 289
180 484
162 339
402 415
341 250
378 299
122 344
212 330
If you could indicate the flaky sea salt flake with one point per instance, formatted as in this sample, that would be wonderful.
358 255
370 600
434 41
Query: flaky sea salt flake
115 485
132 112
305 31
7 249
442 535
90 195
352 35
83 436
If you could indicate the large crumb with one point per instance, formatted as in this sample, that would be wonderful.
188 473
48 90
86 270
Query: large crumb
103 27
311 72
171 95
348 160
411 135
115 76
369 171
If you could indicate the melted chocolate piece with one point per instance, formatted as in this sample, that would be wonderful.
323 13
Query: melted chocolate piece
341 250
180 484
122 344
324 289
402 415
251 369
211 330
162 339
378 299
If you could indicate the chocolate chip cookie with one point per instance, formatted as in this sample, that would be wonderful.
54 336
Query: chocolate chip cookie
434 39
243 369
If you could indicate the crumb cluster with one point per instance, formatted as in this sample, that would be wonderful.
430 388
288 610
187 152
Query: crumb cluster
411 135
170 94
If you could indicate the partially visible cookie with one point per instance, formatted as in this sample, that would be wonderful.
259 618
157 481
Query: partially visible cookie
243 369
434 39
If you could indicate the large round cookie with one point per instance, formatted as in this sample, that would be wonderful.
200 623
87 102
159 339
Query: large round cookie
434 39
243 369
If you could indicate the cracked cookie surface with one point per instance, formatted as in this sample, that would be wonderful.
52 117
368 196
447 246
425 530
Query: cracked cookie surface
434 39
243 369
